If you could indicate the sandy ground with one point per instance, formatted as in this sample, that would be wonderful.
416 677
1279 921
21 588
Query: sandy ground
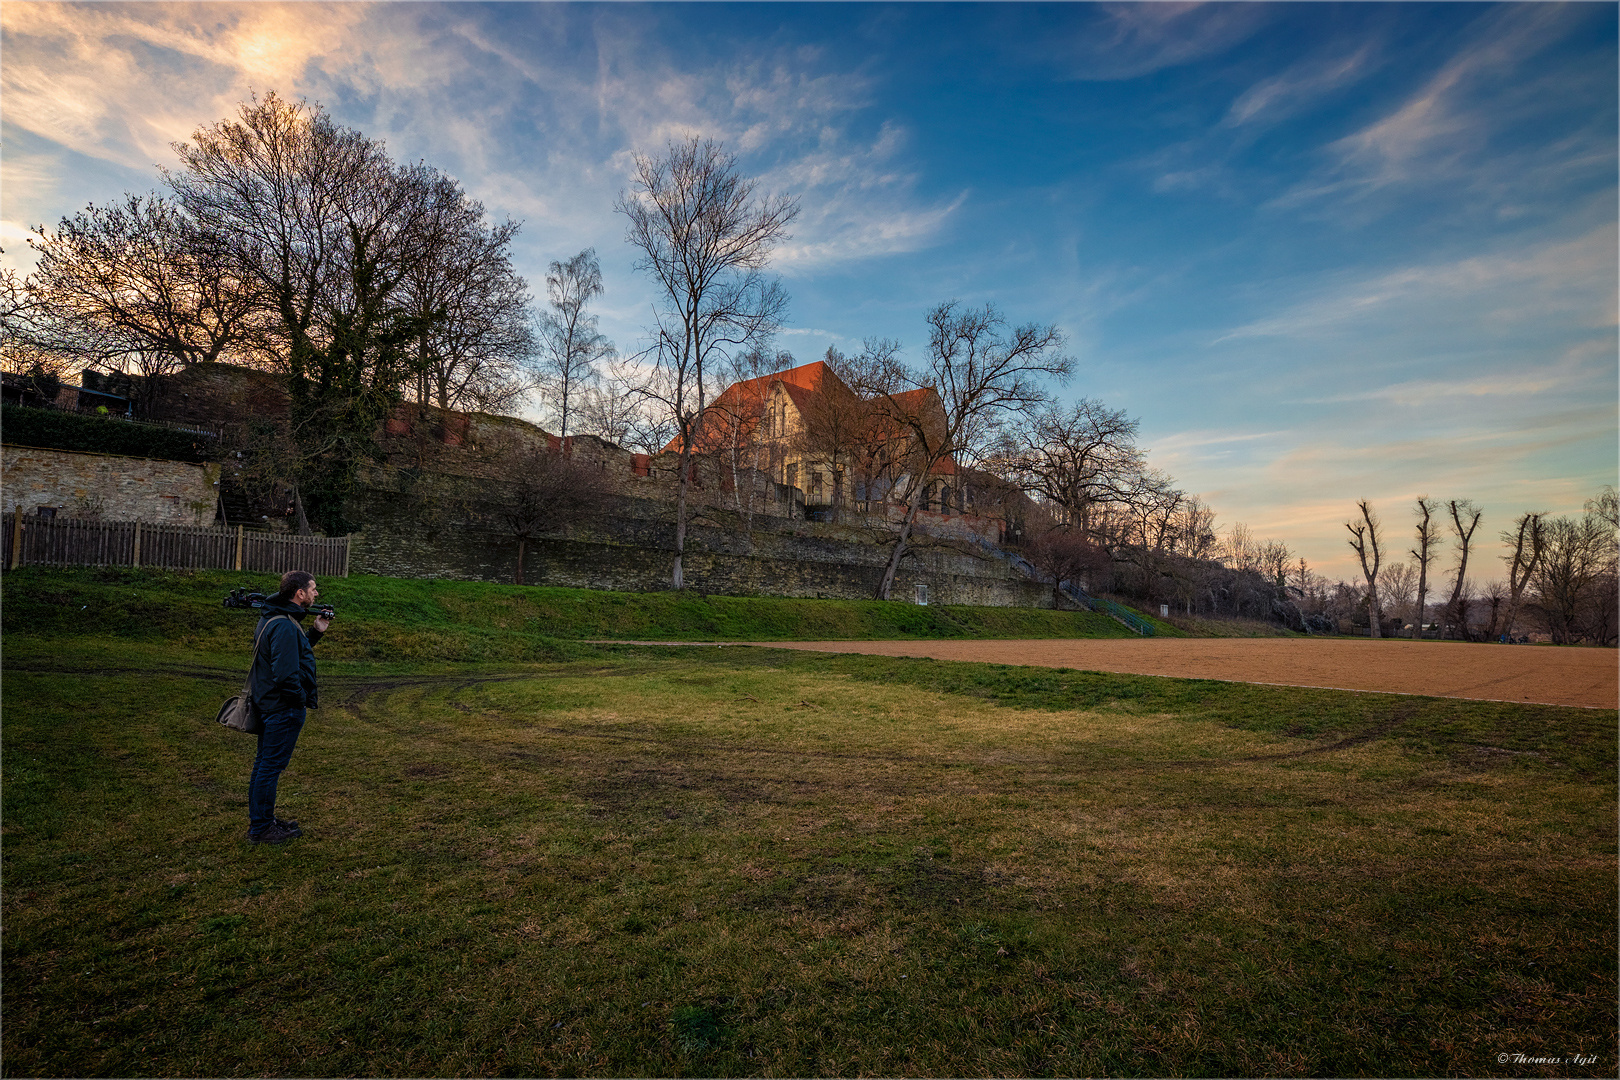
1521 673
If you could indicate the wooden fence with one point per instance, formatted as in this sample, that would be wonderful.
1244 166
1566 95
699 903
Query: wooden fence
31 540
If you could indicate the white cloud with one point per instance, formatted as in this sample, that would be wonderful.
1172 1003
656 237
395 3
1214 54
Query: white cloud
1439 133
1572 281
121 82
1127 41
1294 89
1580 366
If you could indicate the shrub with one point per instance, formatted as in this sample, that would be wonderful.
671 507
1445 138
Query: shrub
50 429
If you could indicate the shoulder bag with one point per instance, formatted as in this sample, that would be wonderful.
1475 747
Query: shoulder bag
238 712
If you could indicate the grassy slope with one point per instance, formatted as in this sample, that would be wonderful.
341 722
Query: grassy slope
655 861
413 619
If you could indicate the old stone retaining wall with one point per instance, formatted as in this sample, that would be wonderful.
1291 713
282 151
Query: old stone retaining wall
105 486
452 533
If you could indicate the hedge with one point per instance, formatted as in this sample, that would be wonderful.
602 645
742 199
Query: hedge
22 425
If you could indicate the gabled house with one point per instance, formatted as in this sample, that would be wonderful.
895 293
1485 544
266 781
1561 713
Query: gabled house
835 451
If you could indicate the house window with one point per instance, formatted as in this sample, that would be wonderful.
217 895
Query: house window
793 474
815 483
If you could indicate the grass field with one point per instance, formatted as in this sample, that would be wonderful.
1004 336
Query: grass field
396 618
624 860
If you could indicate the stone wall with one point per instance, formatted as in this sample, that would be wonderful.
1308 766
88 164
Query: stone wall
101 485
446 532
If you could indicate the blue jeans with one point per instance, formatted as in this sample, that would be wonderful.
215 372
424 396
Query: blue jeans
276 744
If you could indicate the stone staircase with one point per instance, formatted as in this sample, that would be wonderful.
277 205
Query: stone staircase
1118 612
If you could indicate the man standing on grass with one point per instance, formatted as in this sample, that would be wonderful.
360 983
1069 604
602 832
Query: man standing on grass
283 689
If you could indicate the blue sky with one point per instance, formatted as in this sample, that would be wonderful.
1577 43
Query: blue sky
1322 251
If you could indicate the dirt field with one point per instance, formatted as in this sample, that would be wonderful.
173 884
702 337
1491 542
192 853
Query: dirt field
1525 673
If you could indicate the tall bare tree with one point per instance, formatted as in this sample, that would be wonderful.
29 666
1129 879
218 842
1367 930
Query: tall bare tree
1461 511
1526 542
1364 541
571 346
1241 548
705 239
1575 582
131 287
977 372
1428 535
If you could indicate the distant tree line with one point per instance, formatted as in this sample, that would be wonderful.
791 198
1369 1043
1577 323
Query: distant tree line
1560 575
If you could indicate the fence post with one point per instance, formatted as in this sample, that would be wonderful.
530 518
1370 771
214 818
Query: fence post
137 557
348 542
16 536
239 547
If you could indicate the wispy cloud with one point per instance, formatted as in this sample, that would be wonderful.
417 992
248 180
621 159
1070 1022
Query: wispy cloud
1443 131
1299 87
122 82
1573 281
1127 41
1579 368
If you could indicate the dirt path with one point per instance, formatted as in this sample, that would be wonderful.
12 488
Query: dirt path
1521 673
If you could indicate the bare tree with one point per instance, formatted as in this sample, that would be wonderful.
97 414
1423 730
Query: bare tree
1495 595
1241 550
1064 553
1364 541
1428 535
1396 584
570 344
1526 542
1461 510
705 239
1575 578
1606 505
1079 457
471 308
1274 560
977 372
546 492
130 287
24 344
1195 535
325 229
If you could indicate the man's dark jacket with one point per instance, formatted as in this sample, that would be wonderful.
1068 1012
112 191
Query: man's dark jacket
284 666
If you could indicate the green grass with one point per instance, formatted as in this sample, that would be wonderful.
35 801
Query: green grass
471 620
627 860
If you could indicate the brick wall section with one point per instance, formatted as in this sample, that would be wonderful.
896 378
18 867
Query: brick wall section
114 488
447 534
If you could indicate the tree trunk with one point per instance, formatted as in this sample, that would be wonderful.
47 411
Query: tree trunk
677 580
303 519
887 584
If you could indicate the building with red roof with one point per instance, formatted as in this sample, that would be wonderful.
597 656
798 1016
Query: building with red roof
828 447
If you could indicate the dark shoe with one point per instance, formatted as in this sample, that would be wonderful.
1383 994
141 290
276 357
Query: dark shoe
290 826
273 834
